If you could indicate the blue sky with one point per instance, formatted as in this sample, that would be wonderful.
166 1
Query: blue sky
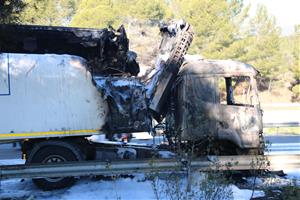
286 12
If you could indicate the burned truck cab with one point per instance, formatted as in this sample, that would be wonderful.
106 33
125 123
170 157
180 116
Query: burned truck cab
219 99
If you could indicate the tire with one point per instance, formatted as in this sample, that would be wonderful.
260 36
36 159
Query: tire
50 154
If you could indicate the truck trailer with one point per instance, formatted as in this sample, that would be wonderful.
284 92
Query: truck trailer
61 85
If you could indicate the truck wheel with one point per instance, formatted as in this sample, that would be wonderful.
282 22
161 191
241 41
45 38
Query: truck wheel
52 154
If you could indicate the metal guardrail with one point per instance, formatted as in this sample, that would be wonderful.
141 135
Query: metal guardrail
270 162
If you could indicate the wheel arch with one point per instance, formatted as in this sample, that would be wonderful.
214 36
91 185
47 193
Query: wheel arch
35 146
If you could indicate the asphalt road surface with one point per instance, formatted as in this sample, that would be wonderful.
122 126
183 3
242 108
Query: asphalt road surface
283 144
8 151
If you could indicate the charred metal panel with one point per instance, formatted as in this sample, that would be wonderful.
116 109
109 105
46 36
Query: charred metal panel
106 50
200 113
176 40
224 68
128 108
196 107
239 124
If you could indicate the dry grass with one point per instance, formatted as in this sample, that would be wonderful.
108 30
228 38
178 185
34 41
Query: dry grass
282 131
282 95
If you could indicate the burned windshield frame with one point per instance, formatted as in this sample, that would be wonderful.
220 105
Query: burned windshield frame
229 91
231 96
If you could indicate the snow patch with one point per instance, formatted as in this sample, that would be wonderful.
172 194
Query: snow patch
142 136
245 194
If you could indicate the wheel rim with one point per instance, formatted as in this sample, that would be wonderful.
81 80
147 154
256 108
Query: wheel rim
54 159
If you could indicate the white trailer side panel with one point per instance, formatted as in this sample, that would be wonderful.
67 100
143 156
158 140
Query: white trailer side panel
48 96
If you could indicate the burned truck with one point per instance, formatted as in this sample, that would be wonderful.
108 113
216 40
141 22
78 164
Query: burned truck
60 85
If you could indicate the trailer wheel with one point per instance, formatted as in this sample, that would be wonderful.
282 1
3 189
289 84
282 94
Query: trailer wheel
52 154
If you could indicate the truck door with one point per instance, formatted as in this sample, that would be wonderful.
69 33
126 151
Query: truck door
240 117
4 75
196 107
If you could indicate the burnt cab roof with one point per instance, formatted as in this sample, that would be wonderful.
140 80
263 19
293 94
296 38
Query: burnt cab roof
217 68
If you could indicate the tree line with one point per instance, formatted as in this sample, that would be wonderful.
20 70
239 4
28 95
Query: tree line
224 29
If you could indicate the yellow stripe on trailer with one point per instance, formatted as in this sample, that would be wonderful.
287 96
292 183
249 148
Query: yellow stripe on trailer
43 134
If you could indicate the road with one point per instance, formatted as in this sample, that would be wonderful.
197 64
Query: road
283 144
7 151
276 145
279 139
281 113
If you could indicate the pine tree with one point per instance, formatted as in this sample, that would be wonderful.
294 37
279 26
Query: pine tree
296 53
49 12
101 13
96 13
10 11
154 10
213 22
262 45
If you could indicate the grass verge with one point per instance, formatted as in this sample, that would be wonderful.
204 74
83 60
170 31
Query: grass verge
282 131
